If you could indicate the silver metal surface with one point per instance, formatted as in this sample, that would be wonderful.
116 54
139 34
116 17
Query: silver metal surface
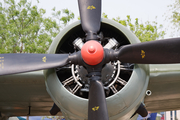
111 44
78 43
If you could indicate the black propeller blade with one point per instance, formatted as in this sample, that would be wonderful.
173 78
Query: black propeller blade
97 109
18 63
90 13
54 110
142 110
154 52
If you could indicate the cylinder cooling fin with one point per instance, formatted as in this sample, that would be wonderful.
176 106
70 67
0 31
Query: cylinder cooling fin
115 75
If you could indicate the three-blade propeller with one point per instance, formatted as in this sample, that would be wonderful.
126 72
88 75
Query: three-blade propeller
154 52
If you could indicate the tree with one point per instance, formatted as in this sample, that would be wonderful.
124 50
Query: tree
24 29
145 32
175 16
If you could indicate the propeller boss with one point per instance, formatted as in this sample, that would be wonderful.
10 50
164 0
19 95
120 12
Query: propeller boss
92 52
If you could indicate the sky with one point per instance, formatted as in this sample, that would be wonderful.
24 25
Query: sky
144 10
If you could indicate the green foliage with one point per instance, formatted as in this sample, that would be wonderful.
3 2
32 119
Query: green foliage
23 29
145 32
68 16
175 17
104 15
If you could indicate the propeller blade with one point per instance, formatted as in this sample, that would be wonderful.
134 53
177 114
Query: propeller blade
54 110
153 52
97 109
90 13
19 63
142 110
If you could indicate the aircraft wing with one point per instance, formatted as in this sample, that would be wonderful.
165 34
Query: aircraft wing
19 91
164 84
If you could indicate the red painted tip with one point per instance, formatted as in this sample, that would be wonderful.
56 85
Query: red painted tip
92 52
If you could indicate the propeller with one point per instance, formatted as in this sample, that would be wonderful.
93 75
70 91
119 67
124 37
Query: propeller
90 14
153 52
18 63
97 108
54 110
92 54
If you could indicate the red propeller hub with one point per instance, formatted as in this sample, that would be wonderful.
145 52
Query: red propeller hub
92 52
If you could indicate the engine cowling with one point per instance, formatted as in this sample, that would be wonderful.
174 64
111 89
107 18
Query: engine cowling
124 84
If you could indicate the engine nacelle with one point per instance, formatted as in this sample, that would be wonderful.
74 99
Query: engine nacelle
124 84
